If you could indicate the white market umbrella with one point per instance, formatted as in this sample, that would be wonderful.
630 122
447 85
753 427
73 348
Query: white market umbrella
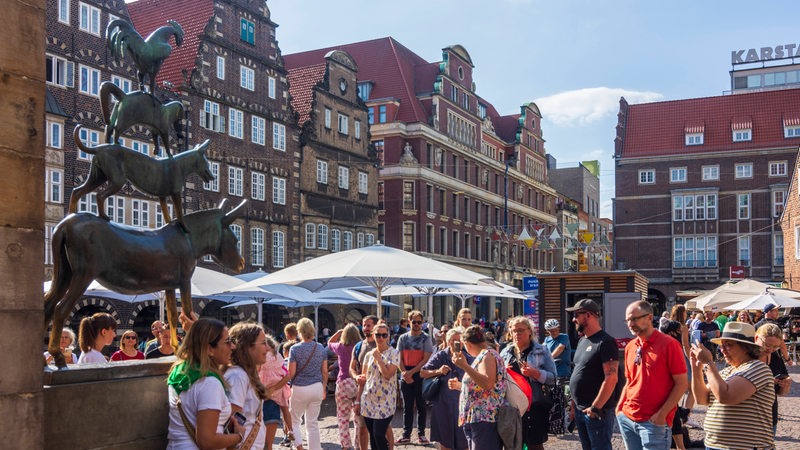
95 289
727 294
376 266
762 300
461 291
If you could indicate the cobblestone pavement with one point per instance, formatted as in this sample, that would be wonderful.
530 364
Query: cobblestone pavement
787 438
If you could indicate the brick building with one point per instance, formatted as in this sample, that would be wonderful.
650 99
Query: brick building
458 181
701 185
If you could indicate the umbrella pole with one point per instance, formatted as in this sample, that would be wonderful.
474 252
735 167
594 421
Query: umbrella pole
260 314
430 308
316 317
378 309
161 307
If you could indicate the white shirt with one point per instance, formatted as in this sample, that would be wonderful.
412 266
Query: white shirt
206 393
243 394
92 357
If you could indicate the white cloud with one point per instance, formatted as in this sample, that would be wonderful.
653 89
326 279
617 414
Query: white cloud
589 105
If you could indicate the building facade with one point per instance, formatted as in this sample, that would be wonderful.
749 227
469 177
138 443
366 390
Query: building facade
701 185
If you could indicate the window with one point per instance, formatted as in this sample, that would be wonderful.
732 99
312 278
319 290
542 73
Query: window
213 185
364 88
408 195
90 138
210 117
710 173
791 131
344 177
279 136
327 118
122 83
694 251
359 240
89 82
258 128
48 247
343 124
257 246
778 203
453 93
235 181
370 116
160 215
744 206
322 171
677 175
742 135
88 203
237 231
115 208
279 190
647 176
694 207
370 239
363 183
247 78
382 114
63 11
53 185
271 87
744 251
482 110
357 129
220 67
55 134
336 240
248 32
777 168
744 170
89 19
777 249
408 237
140 213
258 186
236 123
348 240
694 138
311 235
278 249
322 237
60 71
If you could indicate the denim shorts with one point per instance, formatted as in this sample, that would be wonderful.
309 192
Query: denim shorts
272 412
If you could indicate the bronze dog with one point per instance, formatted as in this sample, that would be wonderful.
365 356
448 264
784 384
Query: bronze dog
158 177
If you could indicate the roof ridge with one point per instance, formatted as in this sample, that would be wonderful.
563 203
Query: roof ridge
412 95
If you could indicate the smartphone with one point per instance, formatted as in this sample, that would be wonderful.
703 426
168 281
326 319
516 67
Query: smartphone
237 416
781 376
457 346
697 336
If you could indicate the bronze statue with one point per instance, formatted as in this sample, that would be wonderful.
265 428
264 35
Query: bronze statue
132 261
159 177
139 108
148 54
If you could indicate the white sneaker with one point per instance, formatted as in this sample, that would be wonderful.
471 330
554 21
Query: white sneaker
691 423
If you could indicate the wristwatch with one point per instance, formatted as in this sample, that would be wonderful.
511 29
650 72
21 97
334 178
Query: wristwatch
595 410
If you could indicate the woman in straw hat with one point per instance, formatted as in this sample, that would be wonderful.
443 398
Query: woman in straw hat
740 396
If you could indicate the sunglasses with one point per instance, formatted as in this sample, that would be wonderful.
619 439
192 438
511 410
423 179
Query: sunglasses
638 358
381 335
416 322
129 337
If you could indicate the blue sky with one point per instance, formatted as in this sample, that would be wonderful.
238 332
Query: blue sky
574 58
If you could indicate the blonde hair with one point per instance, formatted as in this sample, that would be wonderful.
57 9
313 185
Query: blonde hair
204 332
122 339
769 329
305 328
350 335
244 335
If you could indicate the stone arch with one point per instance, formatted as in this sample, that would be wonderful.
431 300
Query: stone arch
462 53
342 58
137 309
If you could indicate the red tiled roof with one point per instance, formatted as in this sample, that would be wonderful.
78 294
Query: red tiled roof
656 129
192 15
301 84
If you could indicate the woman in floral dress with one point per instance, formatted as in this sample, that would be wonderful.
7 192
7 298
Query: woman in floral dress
379 399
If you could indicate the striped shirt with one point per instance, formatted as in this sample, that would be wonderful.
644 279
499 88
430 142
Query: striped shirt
747 425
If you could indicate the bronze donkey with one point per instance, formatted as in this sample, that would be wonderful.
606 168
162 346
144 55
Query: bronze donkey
132 261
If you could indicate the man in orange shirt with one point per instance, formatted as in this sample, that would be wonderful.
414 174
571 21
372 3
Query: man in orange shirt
655 371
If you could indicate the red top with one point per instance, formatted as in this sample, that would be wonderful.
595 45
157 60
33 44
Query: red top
650 382
119 355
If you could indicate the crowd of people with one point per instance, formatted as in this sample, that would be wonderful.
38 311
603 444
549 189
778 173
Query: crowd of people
233 388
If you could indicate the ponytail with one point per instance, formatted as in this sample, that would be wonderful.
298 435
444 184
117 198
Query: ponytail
90 329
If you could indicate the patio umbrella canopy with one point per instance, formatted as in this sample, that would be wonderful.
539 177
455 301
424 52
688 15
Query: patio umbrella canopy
462 291
762 300
96 289
376 266
729 293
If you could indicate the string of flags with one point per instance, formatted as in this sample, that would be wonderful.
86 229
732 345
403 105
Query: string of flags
573 241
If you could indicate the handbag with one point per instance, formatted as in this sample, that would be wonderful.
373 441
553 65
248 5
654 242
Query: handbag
542 396
431 387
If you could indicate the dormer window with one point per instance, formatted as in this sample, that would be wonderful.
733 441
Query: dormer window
791 127
742 135
694 139
742 130
694 134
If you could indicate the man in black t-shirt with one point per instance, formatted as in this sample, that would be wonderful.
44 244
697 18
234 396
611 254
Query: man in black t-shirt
597 378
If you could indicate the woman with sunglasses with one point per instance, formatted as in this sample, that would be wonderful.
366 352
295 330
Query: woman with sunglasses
199 410
127 347
379 399
246 390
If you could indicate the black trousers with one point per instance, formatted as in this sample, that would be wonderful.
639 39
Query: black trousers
412 395
377 432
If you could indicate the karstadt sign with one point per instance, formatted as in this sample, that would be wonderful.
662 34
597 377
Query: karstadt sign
765 54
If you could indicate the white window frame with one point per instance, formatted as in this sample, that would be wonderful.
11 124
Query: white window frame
237 231
89 80
792 131
61 72
89 19
258 130
279 190
55 134
140 213
344 122
778 254
160 222
371 239
694 251
796 242
311 235
677 175
213 185
743 252
322 237
115 208
778 168
54 186
140 147
279 137
271 87
336 240
647 176
743 170
357 129
360 239
236 123
211 118
347 240
363 182
743 206
48 247
88 203
344 177
778 202
220 67
278 249
710 173
247 78
258 186
694 139
63 11
235 181
90 138
123 83
328 118
322 171
257 246
744 135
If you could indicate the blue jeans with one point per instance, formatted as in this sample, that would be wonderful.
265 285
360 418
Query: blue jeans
595 434
644 435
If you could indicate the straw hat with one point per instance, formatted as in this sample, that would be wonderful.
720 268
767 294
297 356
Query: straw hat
741 332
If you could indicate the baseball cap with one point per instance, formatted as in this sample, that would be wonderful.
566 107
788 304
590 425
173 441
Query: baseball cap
585 304
769 307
